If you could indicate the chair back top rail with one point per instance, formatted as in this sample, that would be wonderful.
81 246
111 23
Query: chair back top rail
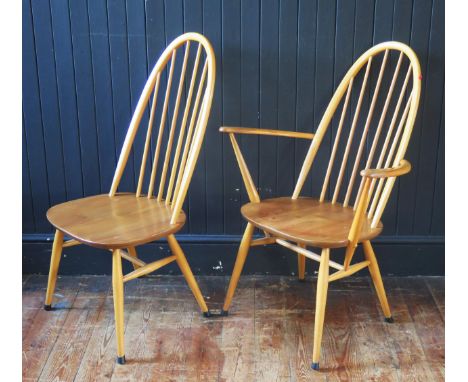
378 109
178 95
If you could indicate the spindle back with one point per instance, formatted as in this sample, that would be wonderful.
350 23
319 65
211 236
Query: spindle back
377 138
181 111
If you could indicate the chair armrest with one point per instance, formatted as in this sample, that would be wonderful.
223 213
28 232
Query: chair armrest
275 133
403 168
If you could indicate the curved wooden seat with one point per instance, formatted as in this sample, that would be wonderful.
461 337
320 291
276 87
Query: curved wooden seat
307 221
120 221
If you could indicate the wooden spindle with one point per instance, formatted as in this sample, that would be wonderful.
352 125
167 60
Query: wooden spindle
351 132
161 126
380 124
167 157
390 131
366 129
390 156
190 129
148 136
182 127
337 139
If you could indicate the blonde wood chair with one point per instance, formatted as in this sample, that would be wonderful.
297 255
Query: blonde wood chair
120 222
375 148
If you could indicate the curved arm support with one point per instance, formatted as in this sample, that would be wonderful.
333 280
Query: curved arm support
247 178
403 168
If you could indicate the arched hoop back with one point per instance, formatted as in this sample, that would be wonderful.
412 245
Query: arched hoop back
181 111
389 116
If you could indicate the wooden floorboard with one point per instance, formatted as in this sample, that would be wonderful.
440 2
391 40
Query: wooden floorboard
267 336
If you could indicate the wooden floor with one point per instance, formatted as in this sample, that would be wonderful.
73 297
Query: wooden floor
267 336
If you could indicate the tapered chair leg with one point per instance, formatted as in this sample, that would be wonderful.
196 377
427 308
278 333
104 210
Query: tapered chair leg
377 279
132 251
54 266
322 288
187 272
240 261
118 291
301 263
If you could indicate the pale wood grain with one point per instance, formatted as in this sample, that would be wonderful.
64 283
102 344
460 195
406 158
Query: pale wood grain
168 341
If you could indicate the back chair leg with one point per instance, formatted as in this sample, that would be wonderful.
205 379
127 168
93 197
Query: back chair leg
132 251
322 288
118 291
54 266
377 279
240 261
187 272
301 263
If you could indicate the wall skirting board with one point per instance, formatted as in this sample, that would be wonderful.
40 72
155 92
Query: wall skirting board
215 255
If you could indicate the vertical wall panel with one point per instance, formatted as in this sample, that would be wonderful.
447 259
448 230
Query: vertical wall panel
278 62
438 203
286 95
138 74
48 99
307 38
155 33
66 90
419 41
118 41
324 64
27 210
99 36
213 139
269 52
249 82
84 87
231 58
432 107
33 123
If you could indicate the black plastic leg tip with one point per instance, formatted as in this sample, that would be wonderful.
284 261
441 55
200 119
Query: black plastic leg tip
48 307
121 360
389 320
224 313
315 365
302 280
207 314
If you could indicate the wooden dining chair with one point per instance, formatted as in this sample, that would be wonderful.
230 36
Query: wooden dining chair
120 222
375 106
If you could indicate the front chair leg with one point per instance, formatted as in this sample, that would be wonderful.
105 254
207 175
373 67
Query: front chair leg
240 261
377 279
322 288
54 266
118 291
187 272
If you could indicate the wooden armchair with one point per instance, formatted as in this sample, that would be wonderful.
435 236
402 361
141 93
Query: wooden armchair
298 222
120 221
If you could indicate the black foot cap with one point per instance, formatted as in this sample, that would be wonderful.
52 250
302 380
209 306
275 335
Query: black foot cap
389 320
315 366
302 280
215 314
48 307
121 360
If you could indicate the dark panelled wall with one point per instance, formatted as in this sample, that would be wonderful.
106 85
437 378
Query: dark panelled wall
278 62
